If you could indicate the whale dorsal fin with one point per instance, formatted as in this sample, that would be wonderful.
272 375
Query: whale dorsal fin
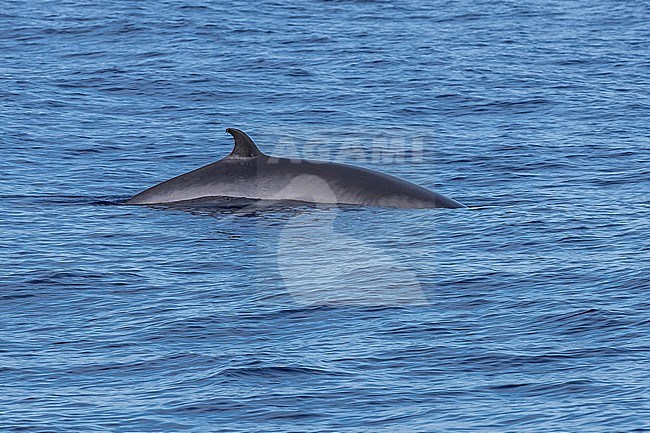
244 146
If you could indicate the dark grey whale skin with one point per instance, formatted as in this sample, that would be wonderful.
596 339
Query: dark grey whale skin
248 173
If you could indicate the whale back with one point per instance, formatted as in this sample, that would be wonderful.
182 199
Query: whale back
248 173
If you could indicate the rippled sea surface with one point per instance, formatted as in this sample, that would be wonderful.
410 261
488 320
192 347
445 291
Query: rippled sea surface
530 311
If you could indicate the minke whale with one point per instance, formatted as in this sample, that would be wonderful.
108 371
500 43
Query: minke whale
248 173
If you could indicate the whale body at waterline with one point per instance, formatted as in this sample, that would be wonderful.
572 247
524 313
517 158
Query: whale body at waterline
248 173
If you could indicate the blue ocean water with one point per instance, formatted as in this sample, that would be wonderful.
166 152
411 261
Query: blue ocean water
527 312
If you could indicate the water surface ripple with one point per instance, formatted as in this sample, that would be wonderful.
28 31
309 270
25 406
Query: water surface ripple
528 313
